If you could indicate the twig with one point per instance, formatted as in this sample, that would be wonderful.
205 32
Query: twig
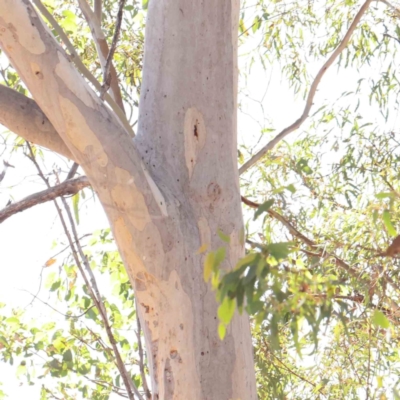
390 5
69 187
141 358
302 378
106 73
303 238
96 297
72 171
57 311
102 49
369 360
311 93
82 68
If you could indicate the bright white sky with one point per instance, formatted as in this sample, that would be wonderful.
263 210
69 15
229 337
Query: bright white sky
26 239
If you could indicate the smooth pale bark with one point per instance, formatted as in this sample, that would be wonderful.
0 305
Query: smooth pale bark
168 193
23 116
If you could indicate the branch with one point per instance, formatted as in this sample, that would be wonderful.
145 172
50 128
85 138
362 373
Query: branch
90 284
98 6
81 67
141 358
102 49
69 187
72 171
97 300
66 316
311 93
303 238
391 6
107 77
23 116
267 352
81 118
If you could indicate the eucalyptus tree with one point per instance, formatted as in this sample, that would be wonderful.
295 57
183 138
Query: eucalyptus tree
171 192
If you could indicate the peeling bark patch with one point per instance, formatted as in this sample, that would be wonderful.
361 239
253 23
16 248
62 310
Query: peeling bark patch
28 37
80 134
140 286
140 282
169 384
205 233
236 248
124 239
129 199
73 81
195 137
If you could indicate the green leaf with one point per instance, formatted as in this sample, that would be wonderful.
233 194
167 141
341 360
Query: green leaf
388 223
397 31
12 321
208 266
280 251
219 257
67 356
223 236
379 319
384 195
263 208
221 331
256 24
75 204
291 188
50 279
249 259
226 310
69 22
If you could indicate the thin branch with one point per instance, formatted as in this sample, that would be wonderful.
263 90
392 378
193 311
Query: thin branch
35 297
72 171
96 297
93 290
66 188
102 49
369 360
266 352
82 68
303 238
106 74
98 5
6 166
391 6
141 358
311 93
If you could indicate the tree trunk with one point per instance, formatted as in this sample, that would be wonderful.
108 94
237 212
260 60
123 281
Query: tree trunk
168 193
187 139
